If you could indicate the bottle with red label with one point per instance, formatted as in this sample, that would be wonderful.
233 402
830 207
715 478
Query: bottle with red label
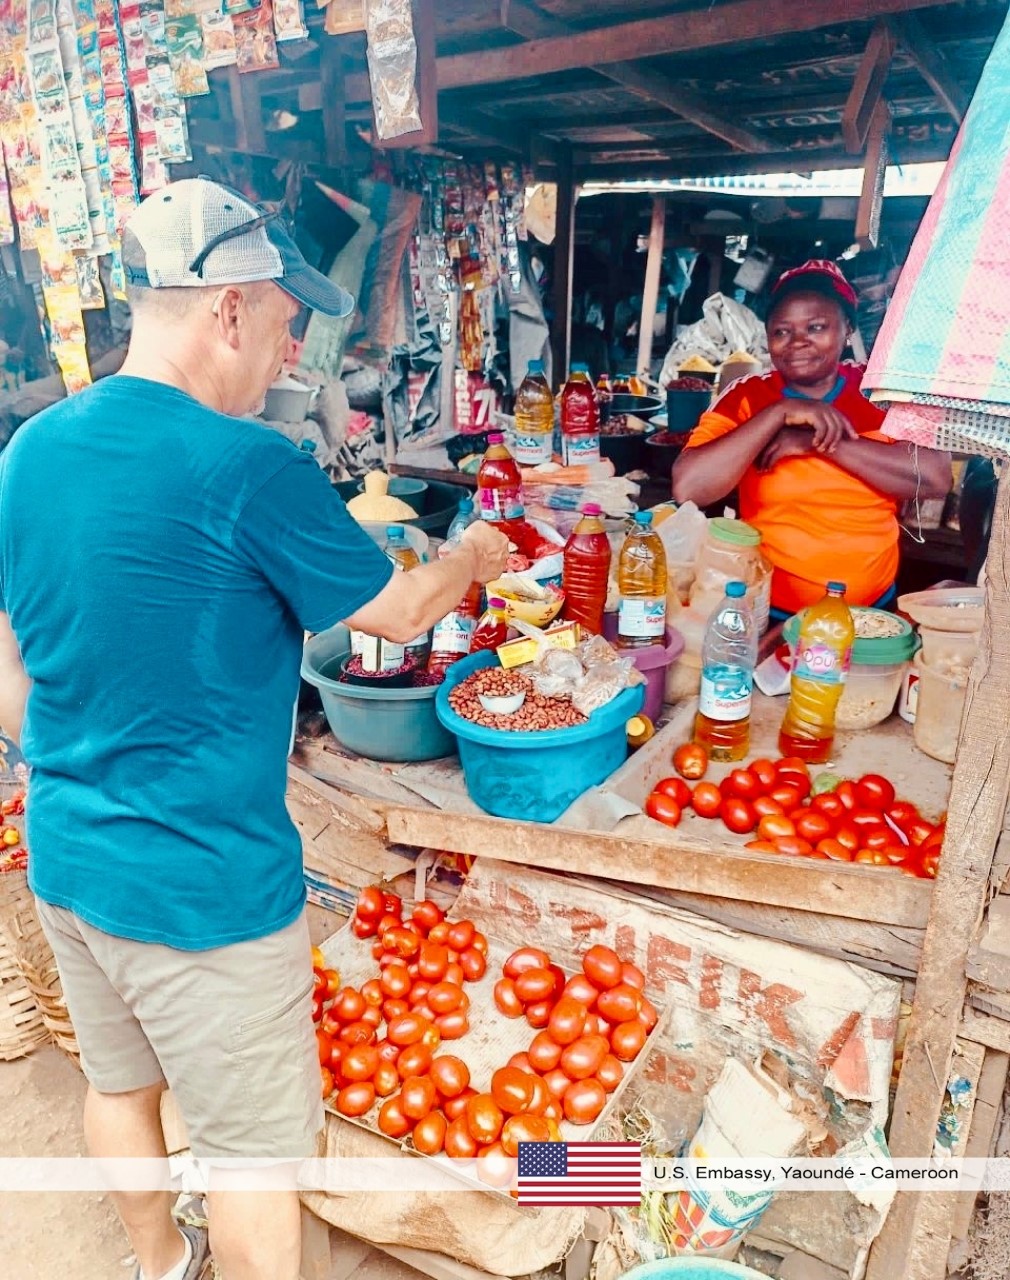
493 628
580 419
499 484
820 666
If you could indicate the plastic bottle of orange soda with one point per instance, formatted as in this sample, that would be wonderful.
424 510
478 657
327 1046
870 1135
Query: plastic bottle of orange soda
820 666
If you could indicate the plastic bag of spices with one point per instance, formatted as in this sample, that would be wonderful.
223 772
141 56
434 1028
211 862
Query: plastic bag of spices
392 67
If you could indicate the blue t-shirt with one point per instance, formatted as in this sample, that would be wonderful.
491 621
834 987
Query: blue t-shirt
159 563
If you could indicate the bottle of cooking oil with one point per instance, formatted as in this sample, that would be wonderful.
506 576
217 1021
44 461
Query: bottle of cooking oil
533 442
641 583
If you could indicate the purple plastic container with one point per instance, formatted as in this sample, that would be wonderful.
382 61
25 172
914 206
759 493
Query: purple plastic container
651 661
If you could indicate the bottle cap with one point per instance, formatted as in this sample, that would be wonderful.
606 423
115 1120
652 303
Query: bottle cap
592 509
736 589
394 532
466 504
535 366
838 588
643 517
580 368
495 437
496 603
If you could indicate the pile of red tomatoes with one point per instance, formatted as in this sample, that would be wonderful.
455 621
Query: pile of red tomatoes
848 821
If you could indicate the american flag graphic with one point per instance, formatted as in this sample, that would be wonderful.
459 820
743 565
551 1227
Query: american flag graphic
580 1173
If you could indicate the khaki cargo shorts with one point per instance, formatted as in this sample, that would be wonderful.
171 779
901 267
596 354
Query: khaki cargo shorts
230 1031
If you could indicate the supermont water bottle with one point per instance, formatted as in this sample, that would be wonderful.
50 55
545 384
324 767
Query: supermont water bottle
728 658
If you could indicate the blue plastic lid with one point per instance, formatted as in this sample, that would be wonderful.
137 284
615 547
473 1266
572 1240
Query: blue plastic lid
535 366
837 586
580 368
643 517
466 504
736 589
394 533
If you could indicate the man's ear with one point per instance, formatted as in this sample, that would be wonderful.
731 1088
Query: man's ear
227 310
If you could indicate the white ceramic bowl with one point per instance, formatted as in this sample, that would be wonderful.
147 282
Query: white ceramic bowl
503 706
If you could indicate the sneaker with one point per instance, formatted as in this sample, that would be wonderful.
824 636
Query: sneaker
200 1264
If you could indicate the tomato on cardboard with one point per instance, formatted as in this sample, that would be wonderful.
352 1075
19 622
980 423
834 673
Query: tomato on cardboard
874 792
743 783
691 761
676 788
738 815
663 808
706 800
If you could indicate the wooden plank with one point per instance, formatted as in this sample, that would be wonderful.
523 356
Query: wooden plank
704 28
871 198
982 1133
334 106
865 94
564 251
975 818
983 1028
248 113
532 23
849 891
650 291
932 64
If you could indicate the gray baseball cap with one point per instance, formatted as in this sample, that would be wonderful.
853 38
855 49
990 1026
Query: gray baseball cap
196 233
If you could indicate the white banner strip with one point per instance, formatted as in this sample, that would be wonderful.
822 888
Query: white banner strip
397 1174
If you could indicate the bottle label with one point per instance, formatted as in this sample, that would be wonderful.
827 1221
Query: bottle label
453 634
380 655
505 503
725 693
821 663
530 449
642 617
581 450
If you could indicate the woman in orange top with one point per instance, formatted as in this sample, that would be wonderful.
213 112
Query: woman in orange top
804 447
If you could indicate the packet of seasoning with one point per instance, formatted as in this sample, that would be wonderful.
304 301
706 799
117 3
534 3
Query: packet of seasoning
184 38
343 16
255 42
73 361
289 21
218 40
89 283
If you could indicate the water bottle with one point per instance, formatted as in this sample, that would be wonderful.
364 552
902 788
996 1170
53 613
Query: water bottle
405 559
461 521
728 658
641 582
534 414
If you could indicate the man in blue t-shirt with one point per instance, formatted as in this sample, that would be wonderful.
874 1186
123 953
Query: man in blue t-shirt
160 560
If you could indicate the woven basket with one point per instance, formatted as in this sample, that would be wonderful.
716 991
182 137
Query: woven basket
37 963
21 1025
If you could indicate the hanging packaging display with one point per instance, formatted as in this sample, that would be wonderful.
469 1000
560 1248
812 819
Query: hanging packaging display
255 41
184 38
392 67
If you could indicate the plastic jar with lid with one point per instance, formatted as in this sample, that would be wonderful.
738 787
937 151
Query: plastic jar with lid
942 690
731 551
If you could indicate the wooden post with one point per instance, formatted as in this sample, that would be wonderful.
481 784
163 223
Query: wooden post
871 199
650 292
334 104
564 246
248 112
915 1237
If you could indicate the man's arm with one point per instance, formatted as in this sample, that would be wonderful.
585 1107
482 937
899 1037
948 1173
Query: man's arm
14 682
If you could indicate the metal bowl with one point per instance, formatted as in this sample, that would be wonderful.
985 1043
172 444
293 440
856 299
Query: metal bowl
643 407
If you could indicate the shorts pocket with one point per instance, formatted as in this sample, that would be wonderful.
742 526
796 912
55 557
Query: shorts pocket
274 1015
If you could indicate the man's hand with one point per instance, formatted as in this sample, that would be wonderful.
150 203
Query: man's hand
827 423
791 442
489 548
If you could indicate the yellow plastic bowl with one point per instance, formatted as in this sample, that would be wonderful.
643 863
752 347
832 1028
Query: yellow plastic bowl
536 612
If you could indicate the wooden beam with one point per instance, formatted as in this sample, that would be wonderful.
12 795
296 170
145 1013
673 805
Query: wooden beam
864 96
564 256
738 22
650 291
334 107
247 112
871 198
932 63
532 23
981 1136
975 819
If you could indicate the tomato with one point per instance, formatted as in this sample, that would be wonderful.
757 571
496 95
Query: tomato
324 1043
627 1040
512 1090
902 813
337 1055
557 1082
632 976
811 824
427 914
443 997
327 1083
395 981
596 1026
473 963
583 1058
832 849
418 994
318 983
370 904
449 1075
793 847
544 1052
360 1063
455 1107
535 984
363 928
775 826
874 857
787 795
386 923
432 1037
663 808
707 800
429 1134
495 1168
765 772
610 1073
792 764
676 788
432 961
402 942
647 1015
691 761
541 1098
874 792
846 793
828 804
602 966
620 1003
525 958
929 865
847 834
331 1024
738 815
392 1122
393 903
453 1026
766 807
538 1014
358 1033
505 999
484 1118
372 993
356 1099
417 1097
415 1060
743 783
867 819
580 988
332 982
393 1008
407 1029
439 933
568 1019
583 1101
318 959
882 838
388 1052
460 934
386 1079
760 846
458 1143
919 831
454 974
523 1128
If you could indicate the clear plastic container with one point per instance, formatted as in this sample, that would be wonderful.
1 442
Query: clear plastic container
731 552
941 694
942 647
869 695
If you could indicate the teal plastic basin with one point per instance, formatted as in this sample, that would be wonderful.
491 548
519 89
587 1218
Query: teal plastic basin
692 1269
535 776
396 725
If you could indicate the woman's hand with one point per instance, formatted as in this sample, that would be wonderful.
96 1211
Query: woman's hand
791 442
828 424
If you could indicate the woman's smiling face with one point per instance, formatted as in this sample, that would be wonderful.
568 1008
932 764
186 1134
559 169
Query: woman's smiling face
807 334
